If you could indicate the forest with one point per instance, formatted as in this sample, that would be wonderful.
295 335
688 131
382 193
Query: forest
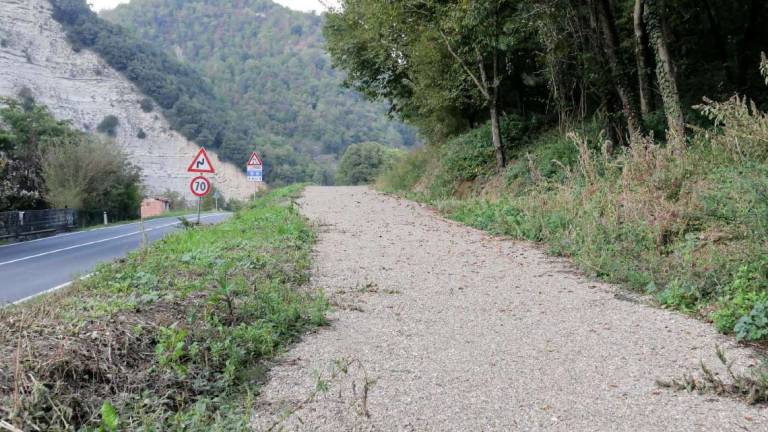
268 65
627 135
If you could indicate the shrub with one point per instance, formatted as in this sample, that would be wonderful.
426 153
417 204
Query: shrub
109 126
86 172
147 105
362 163
753 326
141 134
404 175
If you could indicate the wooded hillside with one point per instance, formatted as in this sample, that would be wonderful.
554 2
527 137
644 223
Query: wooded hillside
269 65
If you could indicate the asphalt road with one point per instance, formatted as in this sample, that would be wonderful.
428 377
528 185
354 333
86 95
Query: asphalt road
33 267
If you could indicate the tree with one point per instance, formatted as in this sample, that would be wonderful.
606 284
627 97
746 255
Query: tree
475 35
641 44
619 71
108 126
88 172
26 131
665 73
363 162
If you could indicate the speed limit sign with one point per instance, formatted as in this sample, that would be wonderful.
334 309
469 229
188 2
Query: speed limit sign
200 186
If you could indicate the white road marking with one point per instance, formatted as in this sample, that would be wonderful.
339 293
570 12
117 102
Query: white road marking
50 290
95 242
189 216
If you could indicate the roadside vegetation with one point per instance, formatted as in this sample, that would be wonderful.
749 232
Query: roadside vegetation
686 227
173 337
362 163
591 127
47 163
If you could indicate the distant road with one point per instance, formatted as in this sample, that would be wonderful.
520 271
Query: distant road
33 267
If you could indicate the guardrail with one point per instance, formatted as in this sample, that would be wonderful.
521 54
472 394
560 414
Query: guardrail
15 224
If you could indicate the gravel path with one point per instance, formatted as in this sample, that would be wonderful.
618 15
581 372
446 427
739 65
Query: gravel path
439 327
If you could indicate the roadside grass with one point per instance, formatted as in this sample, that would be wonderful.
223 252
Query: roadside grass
687 226
173 337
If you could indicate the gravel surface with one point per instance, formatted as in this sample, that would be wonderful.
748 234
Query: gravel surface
439 327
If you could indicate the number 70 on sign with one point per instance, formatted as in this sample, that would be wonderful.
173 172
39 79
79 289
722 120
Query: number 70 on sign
200 186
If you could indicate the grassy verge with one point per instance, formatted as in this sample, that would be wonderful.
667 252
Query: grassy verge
688 226
173 337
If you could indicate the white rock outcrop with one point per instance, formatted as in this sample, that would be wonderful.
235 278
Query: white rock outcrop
82 88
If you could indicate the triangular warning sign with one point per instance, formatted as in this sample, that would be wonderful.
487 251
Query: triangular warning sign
201 163
255 160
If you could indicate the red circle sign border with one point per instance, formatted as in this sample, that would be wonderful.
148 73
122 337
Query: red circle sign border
192 186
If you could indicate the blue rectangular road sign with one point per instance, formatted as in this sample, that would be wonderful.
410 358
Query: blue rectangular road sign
255 174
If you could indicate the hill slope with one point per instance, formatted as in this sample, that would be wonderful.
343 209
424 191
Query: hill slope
270 64
37 57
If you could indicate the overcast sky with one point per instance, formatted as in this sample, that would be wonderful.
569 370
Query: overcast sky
302 5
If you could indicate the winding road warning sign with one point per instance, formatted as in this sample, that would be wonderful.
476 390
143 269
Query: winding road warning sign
201 163
200 186
255 160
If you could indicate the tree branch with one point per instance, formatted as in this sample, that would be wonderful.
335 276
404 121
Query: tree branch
484 86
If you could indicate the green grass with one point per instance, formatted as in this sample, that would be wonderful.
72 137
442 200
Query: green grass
689 228
173 337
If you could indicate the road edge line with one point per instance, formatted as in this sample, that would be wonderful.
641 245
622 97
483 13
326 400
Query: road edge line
50 290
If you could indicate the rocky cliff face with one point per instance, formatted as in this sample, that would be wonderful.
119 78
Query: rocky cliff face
81 88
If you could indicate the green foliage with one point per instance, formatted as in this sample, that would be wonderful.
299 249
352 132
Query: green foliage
109 418
171 349
740 298
186 98
46 162
25 132
434 77
198 312
404 175
362 163
269 64
688 228
147 105
89 173
753 326
108 126
461 159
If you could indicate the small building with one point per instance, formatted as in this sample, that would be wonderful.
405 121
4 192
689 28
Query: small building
154 206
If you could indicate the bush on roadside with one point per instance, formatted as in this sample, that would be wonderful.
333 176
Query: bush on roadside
361 163
90 173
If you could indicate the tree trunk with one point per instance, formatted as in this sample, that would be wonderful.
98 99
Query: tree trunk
618 70
665 75
501 158
493 93
643 71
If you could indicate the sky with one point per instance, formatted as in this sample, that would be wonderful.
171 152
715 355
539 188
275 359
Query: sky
302 5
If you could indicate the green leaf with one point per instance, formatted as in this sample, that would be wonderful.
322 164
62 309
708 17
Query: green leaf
109 418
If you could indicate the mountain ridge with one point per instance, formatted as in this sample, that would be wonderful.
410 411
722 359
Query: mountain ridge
270 63
79 86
